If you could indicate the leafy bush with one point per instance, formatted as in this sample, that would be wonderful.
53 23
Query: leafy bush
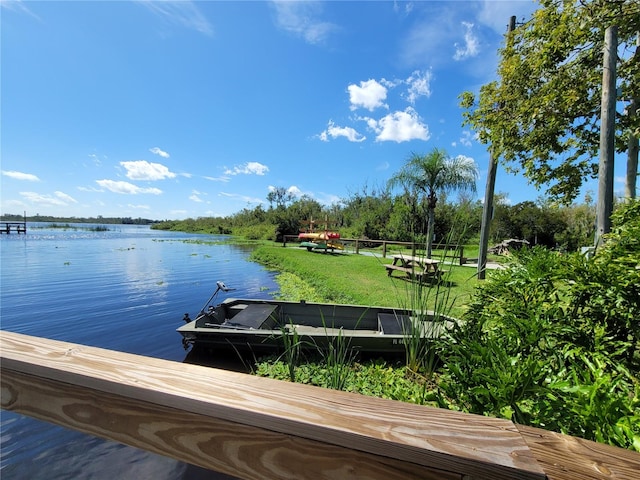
553 340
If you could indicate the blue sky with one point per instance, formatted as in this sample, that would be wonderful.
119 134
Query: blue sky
169 110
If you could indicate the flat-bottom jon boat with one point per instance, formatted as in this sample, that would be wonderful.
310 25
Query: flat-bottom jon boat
262 325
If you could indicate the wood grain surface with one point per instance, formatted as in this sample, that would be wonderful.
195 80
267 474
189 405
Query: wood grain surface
249 426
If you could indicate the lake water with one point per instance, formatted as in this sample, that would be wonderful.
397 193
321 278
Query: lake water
125 289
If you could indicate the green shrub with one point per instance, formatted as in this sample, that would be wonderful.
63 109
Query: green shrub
552 341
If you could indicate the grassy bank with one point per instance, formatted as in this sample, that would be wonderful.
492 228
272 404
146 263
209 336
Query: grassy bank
359 279
550 341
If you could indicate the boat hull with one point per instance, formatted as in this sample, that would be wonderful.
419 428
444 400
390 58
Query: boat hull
265 326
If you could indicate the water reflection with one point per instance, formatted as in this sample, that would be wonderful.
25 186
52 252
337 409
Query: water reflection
124 289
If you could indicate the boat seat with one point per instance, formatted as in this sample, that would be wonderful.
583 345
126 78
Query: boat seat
392 324
255 315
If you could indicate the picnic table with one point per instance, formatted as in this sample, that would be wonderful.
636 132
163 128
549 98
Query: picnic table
421 268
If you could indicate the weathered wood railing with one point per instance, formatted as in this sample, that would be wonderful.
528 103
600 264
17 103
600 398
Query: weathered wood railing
257 428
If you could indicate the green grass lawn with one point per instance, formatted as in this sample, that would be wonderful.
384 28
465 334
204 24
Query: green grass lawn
361 280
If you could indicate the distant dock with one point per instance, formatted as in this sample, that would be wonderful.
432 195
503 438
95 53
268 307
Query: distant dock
17 226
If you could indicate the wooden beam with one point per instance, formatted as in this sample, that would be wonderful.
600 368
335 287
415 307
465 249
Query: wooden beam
248 426
564 457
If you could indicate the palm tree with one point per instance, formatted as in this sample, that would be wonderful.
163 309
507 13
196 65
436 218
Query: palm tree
436 173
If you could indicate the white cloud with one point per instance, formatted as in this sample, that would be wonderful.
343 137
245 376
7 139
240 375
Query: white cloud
302 19
20 175
292 190
224 179
471 44
126 188
184 13
158 151
244 198
195 196
466 138
295 191
249 168
143 170
44 199
139 207
419 85
400 126
64 197
407 8
369 95
17 6
348 132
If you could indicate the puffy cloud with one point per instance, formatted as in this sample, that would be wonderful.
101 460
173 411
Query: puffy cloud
143 170
126 188
158 151
470 47
249 168
348 132
419 85
400 126
20 175
369 95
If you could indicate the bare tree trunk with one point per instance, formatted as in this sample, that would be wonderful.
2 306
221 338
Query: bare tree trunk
607 135
487 208
487 214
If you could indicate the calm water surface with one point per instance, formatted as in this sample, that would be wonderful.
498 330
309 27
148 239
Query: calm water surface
124 289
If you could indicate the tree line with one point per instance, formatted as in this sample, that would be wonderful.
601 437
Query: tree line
99 219
377 213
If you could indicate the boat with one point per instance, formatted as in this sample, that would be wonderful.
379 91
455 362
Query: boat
270 325
320 240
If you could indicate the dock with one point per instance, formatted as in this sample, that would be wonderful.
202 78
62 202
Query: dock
17 226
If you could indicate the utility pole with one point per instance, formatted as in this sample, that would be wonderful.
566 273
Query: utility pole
487 208
604 206
632 144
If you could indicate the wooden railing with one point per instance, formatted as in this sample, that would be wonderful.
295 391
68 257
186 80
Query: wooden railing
257 428
450 251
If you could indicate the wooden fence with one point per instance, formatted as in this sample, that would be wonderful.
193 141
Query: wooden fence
257 428
450 251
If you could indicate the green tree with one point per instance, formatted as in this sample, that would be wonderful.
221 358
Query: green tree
280 196
432 174
543 117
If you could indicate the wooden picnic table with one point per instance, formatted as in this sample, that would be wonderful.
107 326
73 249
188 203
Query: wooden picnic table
419 267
